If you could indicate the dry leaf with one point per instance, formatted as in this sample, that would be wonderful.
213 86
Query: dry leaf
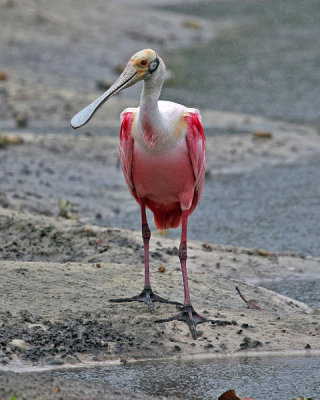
229 395
252 304
232 395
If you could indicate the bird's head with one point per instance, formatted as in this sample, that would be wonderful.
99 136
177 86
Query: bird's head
143 63
141 66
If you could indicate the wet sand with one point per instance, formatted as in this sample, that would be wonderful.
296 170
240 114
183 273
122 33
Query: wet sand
58 274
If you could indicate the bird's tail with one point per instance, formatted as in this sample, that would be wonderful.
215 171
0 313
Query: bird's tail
166 220
166 216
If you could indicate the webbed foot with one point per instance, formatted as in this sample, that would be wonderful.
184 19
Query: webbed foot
148 297
190 316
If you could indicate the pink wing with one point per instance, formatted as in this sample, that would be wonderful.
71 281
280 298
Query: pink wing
196 144
126 150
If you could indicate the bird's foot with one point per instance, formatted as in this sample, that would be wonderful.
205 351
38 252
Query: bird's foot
188 315
148 297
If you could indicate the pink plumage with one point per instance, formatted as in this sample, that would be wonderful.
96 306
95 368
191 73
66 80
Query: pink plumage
170 182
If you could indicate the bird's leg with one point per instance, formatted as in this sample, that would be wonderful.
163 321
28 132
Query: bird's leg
187 313
146 235
147 295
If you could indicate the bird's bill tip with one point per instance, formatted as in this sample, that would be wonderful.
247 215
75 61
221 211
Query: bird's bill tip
128 78
83 116
74 123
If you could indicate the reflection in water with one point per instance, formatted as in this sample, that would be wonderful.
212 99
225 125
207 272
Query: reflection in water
271 378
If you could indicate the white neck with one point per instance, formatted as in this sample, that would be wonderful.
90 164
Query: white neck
150 120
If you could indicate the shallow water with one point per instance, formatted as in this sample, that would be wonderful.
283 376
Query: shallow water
274 208
305 290
266 62
262 378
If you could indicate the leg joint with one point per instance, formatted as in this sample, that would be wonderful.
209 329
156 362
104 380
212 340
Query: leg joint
183 251
146 234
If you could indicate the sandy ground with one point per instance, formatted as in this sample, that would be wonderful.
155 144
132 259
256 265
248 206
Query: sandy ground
58 274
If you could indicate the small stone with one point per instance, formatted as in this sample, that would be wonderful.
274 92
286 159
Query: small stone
20 344
8 140
112 347
207 247
192 24
161 268
263 253
262 135
3 75
250 344
22 120
65 208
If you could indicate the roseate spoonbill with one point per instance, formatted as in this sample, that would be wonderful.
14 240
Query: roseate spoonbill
162 153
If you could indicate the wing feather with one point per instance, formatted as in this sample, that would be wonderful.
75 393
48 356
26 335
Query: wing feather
126 149
196 145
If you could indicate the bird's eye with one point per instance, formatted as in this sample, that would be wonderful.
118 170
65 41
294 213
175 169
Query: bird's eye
143 63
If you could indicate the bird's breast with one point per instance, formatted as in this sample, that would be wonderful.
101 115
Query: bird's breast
164 177
159 129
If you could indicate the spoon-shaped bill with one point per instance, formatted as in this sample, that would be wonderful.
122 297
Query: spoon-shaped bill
83 116
127 78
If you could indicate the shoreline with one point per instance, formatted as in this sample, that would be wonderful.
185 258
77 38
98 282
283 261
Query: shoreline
21 369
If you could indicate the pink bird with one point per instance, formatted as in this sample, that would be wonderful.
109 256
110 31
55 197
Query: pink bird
162 153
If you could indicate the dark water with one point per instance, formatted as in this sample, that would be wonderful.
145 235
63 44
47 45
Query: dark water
305 290
266 63
272 378
271 208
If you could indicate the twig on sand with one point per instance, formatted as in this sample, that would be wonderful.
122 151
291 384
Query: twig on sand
251 304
